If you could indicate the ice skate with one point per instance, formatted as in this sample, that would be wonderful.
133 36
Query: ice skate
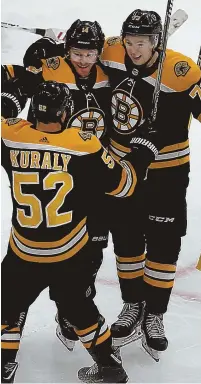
66 333
128 326
154 340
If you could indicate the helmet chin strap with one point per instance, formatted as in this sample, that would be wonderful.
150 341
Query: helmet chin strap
145 69
152 59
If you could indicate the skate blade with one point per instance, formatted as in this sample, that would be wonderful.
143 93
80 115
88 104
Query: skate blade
135 335
69 344
152 352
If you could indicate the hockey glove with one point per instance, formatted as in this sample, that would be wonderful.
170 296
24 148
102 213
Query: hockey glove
145 146
13 98
42 49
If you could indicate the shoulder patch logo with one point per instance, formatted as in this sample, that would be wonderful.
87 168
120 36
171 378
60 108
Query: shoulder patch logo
53 62
12 121
181 68
113 40
85 135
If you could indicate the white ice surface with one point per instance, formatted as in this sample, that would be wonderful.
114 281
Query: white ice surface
42 358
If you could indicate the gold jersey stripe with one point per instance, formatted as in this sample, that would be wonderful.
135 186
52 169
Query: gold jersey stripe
131 275
161 267
83 332
131 259
172 163
119 146
51 244
134 177
158 283
121 185
199 117
175 147
5 345
50 259
199 264
10 70
115 157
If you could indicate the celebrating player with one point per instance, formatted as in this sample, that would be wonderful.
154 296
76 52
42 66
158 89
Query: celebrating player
55 174
76 63
157 211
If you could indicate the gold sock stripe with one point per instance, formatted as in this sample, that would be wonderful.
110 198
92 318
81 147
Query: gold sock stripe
133 259
130 275
82 332
99 340
158 283
160 266
6 345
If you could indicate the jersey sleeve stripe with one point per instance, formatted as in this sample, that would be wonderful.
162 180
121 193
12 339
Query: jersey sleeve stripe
121 185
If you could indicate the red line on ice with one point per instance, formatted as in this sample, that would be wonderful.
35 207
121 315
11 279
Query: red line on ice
181 272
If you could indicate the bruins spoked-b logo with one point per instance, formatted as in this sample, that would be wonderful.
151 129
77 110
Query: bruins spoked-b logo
181 68
92 120
53 62
126 112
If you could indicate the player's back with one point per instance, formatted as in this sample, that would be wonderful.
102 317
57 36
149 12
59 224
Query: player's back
51 189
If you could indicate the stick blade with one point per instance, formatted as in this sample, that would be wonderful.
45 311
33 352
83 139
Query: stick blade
177 19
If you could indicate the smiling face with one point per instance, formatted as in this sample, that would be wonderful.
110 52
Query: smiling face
83 60
138 48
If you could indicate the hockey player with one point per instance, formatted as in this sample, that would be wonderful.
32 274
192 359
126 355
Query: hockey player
157 211
55 174
76 63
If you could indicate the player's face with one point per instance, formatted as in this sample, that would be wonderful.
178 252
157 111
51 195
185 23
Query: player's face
139 48
83 60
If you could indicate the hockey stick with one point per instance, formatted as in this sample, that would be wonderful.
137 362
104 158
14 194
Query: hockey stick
160 64
177 19
17 27
199 59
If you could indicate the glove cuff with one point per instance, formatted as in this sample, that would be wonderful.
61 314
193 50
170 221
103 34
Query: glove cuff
146 143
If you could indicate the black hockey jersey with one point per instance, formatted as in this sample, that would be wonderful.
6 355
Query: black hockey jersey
132 97
54 179
91 96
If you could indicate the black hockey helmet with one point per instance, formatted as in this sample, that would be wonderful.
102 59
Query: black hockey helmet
85 35
141 22
50 100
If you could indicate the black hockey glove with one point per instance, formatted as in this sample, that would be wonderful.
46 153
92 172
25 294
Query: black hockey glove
145 145
13 98
42 49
